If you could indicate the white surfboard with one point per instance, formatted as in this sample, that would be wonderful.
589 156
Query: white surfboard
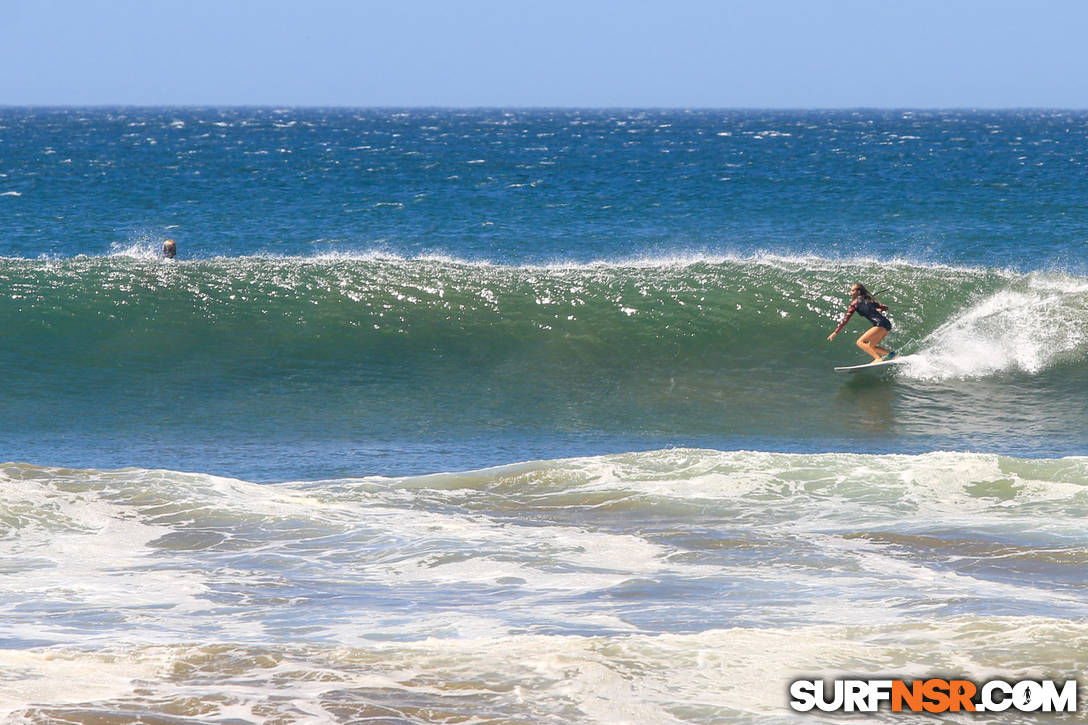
872 365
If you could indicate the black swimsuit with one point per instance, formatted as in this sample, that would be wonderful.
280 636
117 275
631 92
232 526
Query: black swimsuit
870 310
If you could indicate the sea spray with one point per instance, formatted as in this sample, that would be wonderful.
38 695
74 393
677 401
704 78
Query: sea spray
350 358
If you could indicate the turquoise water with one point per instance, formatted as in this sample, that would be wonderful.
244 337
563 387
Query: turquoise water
394 366
529 416
405 292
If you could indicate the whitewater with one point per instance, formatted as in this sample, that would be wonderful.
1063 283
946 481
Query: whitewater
547 591
490 416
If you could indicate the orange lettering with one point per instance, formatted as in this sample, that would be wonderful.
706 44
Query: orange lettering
936 691
901 694
961 692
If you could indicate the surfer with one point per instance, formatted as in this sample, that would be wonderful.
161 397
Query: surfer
169 249
866 305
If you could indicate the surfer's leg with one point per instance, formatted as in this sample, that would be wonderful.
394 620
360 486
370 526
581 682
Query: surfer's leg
878 335
870 340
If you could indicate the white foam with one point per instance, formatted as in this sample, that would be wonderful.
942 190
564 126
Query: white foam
1024 329
76 548
725 675
729 672
85 539
780 489
59 677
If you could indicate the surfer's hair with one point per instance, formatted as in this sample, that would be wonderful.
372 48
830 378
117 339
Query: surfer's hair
862 292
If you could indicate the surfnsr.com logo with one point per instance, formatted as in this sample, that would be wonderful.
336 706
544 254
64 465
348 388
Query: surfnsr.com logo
934 695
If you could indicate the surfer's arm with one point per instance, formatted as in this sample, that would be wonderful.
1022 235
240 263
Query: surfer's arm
849 314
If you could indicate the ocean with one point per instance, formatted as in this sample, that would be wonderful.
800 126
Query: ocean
529 416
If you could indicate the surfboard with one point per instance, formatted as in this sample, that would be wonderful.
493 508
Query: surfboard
872 365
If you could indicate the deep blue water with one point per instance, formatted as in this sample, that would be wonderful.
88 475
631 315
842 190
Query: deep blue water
979 188
218 488
380 291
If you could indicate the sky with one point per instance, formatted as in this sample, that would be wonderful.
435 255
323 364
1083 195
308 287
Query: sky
546 53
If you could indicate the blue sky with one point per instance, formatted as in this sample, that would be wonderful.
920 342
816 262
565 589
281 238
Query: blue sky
669 53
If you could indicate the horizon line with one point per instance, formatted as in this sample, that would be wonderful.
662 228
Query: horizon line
436 107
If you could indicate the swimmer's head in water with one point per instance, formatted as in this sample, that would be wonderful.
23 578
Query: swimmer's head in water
169 249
